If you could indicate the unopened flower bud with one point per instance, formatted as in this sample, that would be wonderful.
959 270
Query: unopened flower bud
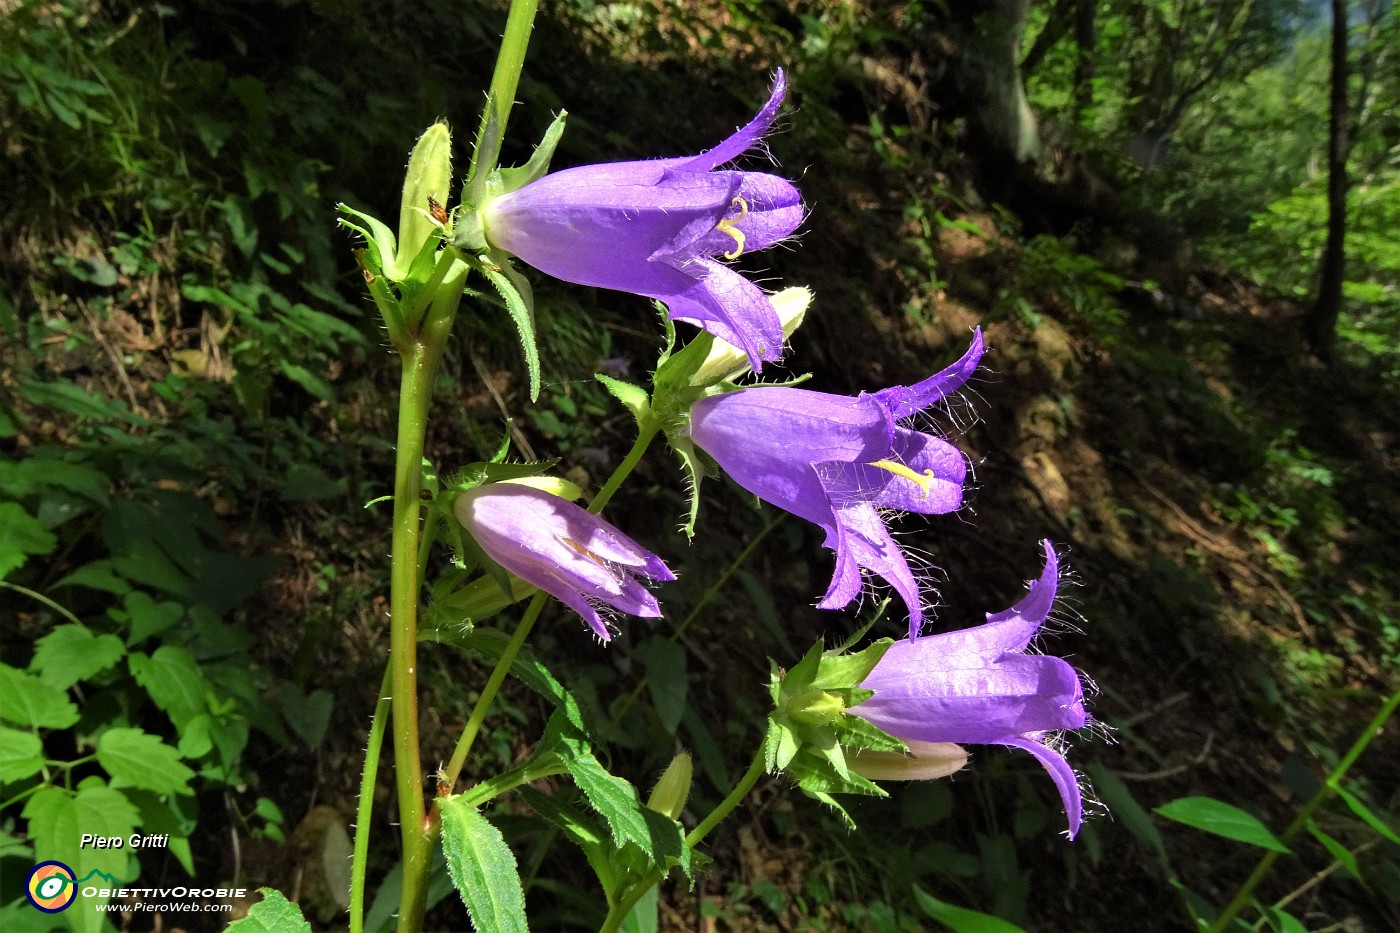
672 791
425 186
925 762
727 361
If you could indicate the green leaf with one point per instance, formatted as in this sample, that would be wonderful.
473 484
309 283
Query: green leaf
174 681
72 399
633 397
1365 815
1222 819
962 919
483 869
506 180
97 575
1282 920
378 237
71 653
21 754
273 914
58 817
665 666
148 617
490 644
521 314
1340 853
21 535
28 701
1126 809
615 800
309 714
137 759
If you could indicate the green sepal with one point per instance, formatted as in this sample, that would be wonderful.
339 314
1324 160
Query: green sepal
633 397
379 240
519 305
487 151
429 175
847 670
694 475
506 180
494 471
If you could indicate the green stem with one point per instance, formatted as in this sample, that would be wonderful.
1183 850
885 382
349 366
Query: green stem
646 433
506 78
493 686
365 810
1329 786
624 905
40 597
420 362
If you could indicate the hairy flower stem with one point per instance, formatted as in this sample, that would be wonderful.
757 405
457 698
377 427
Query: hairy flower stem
504 81
420 361
629 899
1334 781
365 810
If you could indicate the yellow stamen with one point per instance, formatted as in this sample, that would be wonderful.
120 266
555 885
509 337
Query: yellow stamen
727 226
924 479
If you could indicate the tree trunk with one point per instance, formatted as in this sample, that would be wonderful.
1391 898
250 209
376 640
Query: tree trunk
1320 326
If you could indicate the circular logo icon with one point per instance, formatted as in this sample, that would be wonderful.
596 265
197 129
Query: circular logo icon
51 887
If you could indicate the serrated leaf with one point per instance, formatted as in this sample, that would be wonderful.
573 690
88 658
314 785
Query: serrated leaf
174 681
273 914
28 701
1221 819
21 754
21 535
378 237
58 818
483 869
614 799
71 653
962 919
137 759
524 319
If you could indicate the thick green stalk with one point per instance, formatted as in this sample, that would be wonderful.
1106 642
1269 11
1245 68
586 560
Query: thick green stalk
414 393
624 904
420 362
365 811
1329 786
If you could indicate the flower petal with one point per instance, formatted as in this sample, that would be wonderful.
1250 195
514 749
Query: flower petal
743 139
941 462
904 401
731 307
863 539
926 761
1066 781
1020 622
772 209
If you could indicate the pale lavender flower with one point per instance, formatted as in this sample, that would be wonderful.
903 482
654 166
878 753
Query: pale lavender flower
657 228
564 550
979 686
839 461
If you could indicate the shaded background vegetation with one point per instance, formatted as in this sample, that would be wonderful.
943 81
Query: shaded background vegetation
194 410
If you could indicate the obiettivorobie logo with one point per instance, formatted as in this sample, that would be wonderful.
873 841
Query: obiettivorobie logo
52 886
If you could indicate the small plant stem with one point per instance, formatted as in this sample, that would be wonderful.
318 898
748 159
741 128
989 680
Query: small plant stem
646 433
365 811
624 904
40 597
1329 786
493 686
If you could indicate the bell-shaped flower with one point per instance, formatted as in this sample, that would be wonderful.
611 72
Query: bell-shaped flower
841 462
658 228
925 761
563 549
979 686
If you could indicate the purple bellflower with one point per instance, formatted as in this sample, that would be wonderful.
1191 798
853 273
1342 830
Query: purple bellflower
655 228
573 555
839 462
979 686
